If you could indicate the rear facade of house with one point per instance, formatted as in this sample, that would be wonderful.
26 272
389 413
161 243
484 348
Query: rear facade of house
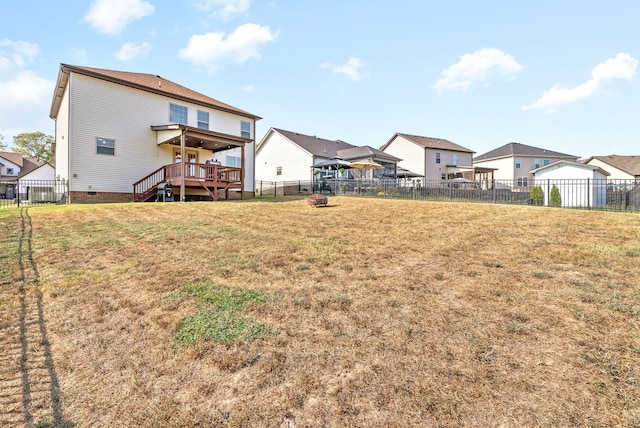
115 128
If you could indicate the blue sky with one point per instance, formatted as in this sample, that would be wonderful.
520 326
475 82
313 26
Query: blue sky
561 74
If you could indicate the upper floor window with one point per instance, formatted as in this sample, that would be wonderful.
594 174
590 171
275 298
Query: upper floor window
437 157
9 171
546 162
537 163
105 146
245 129
518 162
178 114
455 159
278 170
203 119
235 161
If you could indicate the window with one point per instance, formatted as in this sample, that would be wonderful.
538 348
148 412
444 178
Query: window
203 119
536 163
278 170
443 176
522 181
105 146
455 159
437 157
245 129
235 161
9 171
177 114
518 161
546 162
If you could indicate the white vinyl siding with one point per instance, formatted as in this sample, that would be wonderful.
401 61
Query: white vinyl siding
411 154
276 151
126 116
62 137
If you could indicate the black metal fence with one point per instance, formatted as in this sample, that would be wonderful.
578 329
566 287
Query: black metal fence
16 193
614 195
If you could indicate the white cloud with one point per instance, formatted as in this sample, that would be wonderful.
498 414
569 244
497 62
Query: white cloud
476 67
25 89
17 54
111 17
131 50
623 66
210 49
24 96
224 8
351 69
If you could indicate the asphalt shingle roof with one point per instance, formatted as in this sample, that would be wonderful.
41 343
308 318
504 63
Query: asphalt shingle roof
315 145
148 82
430 142
517 149
628 164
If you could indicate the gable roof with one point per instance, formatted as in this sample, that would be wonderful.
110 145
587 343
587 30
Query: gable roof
27 165
430 142
578 165
628 164
14 158
517 149
361 152
142 81
314 145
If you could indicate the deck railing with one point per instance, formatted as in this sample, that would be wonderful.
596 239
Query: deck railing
208 175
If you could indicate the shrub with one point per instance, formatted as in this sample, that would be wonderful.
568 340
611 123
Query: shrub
554 198
537 195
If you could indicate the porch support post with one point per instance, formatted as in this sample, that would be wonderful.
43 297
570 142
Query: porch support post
183 154
242 172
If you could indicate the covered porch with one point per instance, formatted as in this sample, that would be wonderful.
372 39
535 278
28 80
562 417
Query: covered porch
186 173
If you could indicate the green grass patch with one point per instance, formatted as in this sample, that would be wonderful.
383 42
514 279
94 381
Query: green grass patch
218 320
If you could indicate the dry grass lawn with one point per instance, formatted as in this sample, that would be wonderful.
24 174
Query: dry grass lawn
369 312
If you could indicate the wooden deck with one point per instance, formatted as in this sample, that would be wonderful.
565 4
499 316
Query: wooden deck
212 178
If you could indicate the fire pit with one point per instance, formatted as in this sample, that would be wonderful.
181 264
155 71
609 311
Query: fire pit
317 199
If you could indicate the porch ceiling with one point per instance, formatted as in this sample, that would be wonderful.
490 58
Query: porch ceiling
197 138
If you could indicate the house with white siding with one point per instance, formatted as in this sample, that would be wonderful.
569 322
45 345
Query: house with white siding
24 177
431 158
291 156
515 161
122 136
620 168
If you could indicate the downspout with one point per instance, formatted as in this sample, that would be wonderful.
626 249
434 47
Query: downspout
183 141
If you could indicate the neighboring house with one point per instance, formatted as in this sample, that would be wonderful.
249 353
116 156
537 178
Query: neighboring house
514 161
120 135
432 158
580 185
619 167
290 156
24 177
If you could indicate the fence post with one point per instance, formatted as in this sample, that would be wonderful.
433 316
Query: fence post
17 191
